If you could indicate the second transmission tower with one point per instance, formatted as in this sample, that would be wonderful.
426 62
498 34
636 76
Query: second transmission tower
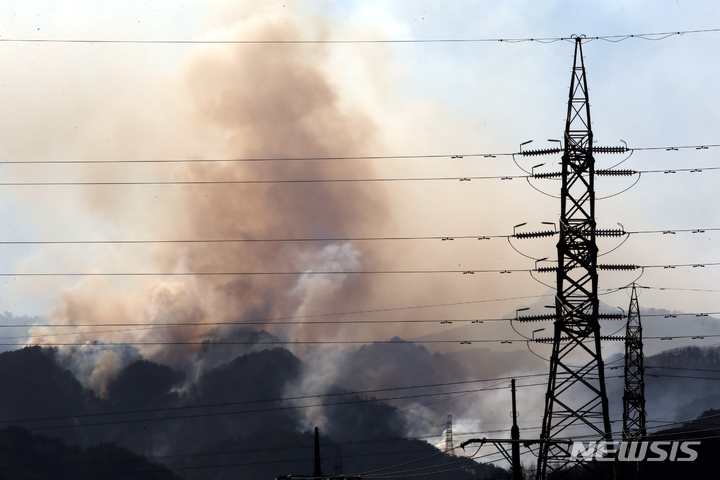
634 393
449 446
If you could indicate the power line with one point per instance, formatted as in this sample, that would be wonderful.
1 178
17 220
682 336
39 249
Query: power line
207 343
264 159
617 172
673 289
627 267
229 273
246 451
325 239
160 325
275 400
257 322
387 309
441 156
682 368
409 307
203 467
674 231
404 473
610 38
367 472
252 240
367 441
260 182
212 343
675 170
215 453
676 265
660 375
195 455
284 448
258 410
678 422
332 180
675 147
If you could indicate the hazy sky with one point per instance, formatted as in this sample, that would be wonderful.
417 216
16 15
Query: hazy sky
100 101
96 101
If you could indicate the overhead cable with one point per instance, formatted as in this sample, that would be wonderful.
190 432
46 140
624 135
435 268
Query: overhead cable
444 156
610 38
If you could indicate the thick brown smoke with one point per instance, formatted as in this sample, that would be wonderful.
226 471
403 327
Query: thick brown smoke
264 101
258 101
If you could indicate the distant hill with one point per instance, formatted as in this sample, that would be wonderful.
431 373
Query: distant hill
231 422
680 383
27 455
250 416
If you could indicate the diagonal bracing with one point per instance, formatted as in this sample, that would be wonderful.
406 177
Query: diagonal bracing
576 401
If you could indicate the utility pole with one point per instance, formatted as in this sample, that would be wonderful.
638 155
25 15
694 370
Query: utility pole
449 447
317 468
634 394
513 456
317 471
515 435
576 400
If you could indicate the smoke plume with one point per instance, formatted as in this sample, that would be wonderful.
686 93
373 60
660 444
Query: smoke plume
249 101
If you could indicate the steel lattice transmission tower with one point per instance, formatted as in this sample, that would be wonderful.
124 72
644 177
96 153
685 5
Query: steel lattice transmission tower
576 401
634 395
338 462
449 446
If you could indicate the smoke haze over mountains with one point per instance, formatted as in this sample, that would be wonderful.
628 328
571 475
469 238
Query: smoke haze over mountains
190 323
268 401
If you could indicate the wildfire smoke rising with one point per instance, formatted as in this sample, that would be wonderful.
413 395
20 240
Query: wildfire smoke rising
253 101
237 102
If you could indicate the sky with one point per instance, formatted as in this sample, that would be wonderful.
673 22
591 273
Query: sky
209 101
